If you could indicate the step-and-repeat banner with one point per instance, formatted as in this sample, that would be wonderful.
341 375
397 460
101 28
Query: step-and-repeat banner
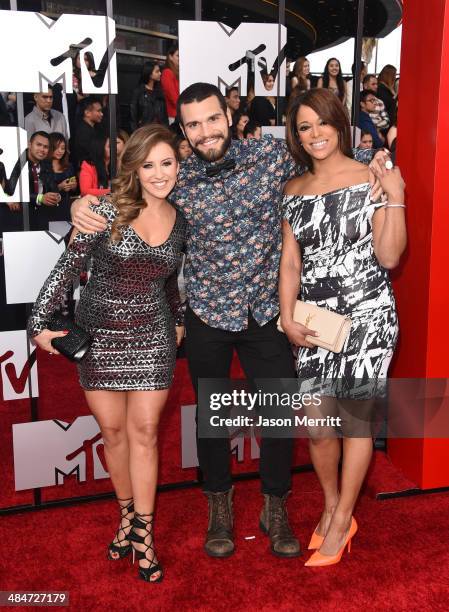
61 444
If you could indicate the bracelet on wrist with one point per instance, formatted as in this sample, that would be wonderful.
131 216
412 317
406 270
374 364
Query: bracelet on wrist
388 205
39 198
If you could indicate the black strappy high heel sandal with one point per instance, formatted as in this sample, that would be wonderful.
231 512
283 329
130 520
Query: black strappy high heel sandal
140 522
116 550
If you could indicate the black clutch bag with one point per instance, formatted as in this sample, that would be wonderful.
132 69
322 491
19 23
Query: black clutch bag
75 344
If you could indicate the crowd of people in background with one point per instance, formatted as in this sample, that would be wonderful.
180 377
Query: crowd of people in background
69 146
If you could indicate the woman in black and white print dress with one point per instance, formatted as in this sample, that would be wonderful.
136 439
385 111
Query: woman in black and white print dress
341 273
338 246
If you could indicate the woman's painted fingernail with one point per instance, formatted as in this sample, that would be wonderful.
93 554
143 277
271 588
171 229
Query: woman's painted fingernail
66 331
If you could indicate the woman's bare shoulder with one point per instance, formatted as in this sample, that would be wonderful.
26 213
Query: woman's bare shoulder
297 185
359 171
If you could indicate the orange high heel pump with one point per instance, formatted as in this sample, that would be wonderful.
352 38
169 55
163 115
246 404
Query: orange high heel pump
315 541
320 560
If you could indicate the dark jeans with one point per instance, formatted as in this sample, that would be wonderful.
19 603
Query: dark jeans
263 352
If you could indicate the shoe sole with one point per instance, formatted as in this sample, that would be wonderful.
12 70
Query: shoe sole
264 530
218 555
157 580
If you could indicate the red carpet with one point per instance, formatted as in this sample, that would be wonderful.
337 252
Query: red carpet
60 397
399 559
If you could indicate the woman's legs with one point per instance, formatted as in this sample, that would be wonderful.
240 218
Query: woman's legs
357 453
109 410
144 410
325 455
325 451
356 417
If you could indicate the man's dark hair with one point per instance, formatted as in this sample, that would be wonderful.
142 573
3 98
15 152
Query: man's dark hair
365 93
250 128
197 92
368 77
229 90
40 133
88 102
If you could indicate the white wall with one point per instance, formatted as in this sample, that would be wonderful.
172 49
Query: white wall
388 52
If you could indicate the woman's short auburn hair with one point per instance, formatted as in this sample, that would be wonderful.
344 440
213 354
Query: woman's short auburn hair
330 109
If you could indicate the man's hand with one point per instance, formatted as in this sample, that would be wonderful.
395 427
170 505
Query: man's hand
180 332
51 199
86 221
376 168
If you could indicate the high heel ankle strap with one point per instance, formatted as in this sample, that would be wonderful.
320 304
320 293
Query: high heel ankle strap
141 523
125 499
149 514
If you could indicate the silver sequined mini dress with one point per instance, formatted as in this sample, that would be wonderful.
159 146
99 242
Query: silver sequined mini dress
130 305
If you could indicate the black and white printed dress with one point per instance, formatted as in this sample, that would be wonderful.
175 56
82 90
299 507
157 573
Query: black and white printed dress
340 272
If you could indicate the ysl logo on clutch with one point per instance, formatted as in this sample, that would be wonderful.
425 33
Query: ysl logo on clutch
308 319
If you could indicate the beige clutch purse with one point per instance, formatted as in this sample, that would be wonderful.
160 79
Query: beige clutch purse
332 327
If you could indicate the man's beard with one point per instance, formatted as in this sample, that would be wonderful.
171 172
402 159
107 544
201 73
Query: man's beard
214 154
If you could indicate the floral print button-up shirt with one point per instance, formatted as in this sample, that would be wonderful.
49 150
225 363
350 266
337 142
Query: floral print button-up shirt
234 234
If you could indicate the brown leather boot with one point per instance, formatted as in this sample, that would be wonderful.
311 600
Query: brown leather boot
220 537
274 523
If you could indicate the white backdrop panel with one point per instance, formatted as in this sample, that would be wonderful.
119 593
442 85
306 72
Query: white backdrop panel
15 366
29 259
35 45
13 143
208 49
46 451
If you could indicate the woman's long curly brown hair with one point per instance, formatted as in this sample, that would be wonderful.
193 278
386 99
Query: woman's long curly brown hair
126 189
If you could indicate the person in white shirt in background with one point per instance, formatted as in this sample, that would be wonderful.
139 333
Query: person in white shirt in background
43 118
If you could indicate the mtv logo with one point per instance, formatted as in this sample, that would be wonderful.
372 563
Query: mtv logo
29 259
13 144
188 440
47 451
17 363
48 60
212 52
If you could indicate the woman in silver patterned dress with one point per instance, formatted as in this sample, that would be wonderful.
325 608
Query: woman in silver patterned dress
338 246
130 306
